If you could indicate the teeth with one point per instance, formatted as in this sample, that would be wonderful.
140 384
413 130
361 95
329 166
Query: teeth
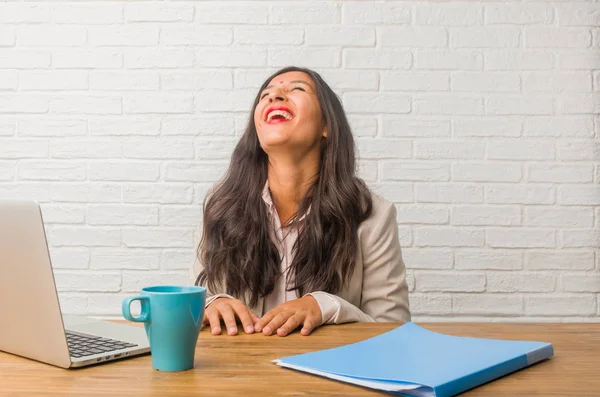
283 113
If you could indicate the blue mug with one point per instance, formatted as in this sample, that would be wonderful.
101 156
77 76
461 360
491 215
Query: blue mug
172 317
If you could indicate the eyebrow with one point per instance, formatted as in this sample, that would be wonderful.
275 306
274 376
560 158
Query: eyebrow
295 81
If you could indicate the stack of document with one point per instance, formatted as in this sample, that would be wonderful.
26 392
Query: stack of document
413 361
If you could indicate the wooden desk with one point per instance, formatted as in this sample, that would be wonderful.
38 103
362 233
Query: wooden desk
240 366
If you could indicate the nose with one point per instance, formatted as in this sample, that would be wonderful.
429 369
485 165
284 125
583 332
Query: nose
276 95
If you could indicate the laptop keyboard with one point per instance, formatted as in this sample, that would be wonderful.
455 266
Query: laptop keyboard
82 345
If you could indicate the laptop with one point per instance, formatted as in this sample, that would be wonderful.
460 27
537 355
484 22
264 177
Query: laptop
31 321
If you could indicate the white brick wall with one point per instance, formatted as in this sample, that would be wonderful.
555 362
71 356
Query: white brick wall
479 120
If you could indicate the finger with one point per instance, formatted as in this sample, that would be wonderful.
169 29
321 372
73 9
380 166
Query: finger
214 320
229 318
254 317
291 324
244 315
266 319
310 323
277 321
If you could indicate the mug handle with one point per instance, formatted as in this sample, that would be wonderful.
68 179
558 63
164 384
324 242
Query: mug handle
145 311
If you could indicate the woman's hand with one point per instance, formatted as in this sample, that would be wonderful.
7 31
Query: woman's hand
286 317
228 309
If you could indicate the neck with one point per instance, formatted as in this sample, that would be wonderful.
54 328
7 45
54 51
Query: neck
289 180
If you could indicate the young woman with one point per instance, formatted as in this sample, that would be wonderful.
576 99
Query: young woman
291 236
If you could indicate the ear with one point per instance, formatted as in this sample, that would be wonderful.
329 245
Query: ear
324 135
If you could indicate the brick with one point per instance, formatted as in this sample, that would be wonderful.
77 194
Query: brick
562 126
487 305
363 126
107 304
214 148
519 194
528 104
24 13
423 304
375 14
520 149
176 259
61 213
577 104
11 148
486 172
124 171
580 283
520 282
125 125
20 191
200 191
84 58
126 215
158 103
520 238
23 103
48 35
159 57
557 81
560 173
123 35
411 36
578 60
583 150
89 148
86 104
217 125
415 171
449 14
70 258
393 126
555 37
8 80
87 14
231 57
473 215
560 305
154 237
428 258
448 193
340 35
158 12
442 59
519 60
583 238
579 195
85 192
559 260
51 170
519 14
311 57
197 80
74 236
449 149
196 35
488 259
8 126
368 58
415 81
72 303
151 148
267 36
376 102
195 172
134 281
484 37
380 148
448 237
8 36
208 13
422 214
487 127
448 104
485 82
19 59
367 170
450 282
251 78
394 192
578 14
304 13
158 193
189 215
129 81
85 281
239 100
53 80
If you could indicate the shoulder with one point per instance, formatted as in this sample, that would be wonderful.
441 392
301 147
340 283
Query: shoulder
383 216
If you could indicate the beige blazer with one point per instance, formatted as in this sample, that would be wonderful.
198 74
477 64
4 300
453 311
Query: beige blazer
377 290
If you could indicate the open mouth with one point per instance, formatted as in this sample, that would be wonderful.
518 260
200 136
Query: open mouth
277 116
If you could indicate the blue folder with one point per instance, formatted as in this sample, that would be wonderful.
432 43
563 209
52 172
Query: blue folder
413 361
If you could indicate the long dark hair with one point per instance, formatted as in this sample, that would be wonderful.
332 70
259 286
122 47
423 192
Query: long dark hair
236 251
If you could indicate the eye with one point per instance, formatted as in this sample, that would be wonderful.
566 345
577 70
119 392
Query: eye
298 88
264 95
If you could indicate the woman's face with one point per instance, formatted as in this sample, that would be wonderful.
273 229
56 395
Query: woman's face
288 114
